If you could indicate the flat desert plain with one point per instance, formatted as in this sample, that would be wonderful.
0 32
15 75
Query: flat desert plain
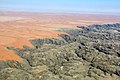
17 28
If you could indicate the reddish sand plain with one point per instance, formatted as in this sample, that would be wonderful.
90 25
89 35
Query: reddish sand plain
17 28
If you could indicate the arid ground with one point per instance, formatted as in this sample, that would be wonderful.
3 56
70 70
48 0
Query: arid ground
17 28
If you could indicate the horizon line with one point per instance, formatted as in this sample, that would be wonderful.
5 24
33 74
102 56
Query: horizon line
78 12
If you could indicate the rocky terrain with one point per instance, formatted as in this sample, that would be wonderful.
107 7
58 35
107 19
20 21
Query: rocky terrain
17 28
84 53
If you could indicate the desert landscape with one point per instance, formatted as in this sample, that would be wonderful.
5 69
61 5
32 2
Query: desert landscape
59 39
59 46
17 28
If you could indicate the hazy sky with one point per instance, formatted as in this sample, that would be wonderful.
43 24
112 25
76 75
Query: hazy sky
62 5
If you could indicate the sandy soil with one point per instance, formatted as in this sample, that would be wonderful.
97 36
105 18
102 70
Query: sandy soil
17 28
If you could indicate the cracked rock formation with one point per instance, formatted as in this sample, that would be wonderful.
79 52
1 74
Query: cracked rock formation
85 53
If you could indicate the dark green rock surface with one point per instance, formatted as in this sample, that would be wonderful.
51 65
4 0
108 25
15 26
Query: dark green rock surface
86 53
